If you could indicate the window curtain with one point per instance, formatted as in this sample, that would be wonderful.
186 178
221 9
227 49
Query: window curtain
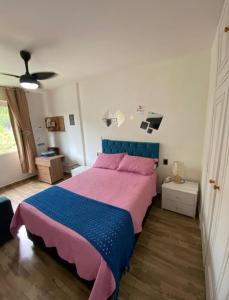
21 125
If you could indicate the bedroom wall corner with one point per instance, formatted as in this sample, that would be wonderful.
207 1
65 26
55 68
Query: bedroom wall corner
63 101
36 111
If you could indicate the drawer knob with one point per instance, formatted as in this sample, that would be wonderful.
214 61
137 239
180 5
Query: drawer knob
226 29
211 181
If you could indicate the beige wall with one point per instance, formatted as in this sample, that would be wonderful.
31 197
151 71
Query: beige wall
36 111
62 102
177 89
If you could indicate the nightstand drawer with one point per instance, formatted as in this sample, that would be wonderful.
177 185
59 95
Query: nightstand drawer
50 169
43 171
178 207
42 161
182 197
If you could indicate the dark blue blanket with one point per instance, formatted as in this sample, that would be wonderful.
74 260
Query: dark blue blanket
108 228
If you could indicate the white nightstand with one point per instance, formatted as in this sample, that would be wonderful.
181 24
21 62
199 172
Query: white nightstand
180 198
79 170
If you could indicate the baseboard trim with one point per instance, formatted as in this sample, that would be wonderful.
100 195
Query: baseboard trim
16 183
209 284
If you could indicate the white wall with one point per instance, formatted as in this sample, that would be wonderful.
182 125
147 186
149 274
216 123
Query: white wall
62 102
177 89
10 169
36 111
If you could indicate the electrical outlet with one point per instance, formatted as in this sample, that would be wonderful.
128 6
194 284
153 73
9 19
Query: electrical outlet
165 161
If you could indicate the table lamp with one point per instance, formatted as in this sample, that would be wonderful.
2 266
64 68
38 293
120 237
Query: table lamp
178 172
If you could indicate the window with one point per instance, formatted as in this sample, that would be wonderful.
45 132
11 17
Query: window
7 141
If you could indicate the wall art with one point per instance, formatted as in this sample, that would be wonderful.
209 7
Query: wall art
113 119
152 121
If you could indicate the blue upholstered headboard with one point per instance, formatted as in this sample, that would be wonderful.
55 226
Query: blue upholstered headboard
144 149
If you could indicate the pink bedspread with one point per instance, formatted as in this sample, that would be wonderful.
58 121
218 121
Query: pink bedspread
129 191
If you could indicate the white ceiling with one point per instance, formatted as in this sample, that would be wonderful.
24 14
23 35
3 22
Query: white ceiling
80 38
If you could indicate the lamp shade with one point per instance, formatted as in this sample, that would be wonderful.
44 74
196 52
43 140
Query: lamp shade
178 171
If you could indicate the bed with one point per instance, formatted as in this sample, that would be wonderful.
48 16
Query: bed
129 192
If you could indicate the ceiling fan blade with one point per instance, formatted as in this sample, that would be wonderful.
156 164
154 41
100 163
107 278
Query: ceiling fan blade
43 75
12 75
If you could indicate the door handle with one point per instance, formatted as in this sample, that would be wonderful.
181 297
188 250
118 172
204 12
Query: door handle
216 187
211 181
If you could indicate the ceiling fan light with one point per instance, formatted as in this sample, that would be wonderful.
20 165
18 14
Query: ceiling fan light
29 85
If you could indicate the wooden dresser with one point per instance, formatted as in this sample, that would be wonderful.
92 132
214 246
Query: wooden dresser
50 169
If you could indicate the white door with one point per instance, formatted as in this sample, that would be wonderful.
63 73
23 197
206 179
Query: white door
223 46
215 210
218 251
215 146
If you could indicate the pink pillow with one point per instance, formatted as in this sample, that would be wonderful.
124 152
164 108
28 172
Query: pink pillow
137 164
108 161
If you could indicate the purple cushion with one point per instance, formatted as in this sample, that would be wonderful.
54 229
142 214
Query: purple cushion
137 164
108 161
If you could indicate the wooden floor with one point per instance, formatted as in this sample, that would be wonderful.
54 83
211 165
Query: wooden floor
166 264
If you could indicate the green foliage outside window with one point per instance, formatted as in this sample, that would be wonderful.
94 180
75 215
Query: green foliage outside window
7 141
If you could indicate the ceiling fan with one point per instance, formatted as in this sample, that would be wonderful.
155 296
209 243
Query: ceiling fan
27 80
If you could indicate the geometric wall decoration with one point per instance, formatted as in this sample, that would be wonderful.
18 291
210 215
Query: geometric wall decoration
152 121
